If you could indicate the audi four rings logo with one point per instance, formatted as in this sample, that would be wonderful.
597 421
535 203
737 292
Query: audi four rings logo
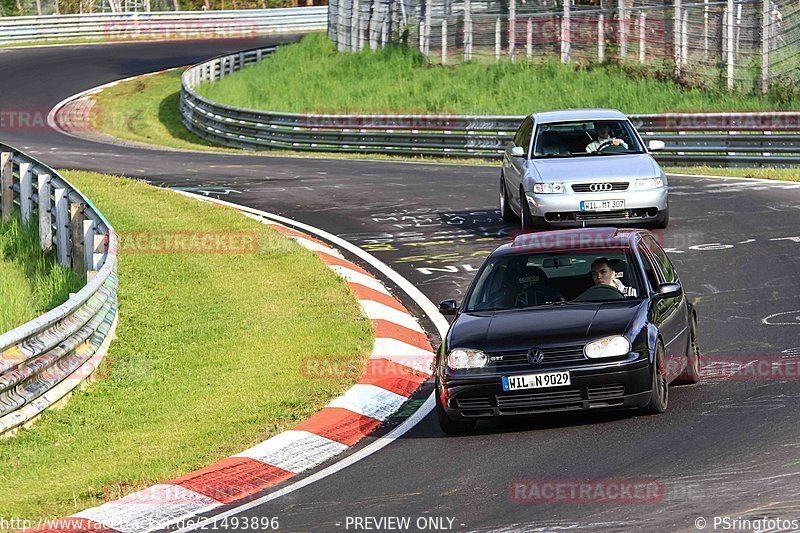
535 356
600 187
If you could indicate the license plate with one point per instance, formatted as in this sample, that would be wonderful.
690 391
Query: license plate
536 381
602 205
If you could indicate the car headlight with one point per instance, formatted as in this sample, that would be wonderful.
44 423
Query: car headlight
466 358
649 183
549 188
613 346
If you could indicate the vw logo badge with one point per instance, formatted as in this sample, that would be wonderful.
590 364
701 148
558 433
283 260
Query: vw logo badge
535 356
600 187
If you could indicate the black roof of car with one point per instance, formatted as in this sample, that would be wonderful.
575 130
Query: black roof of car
571 239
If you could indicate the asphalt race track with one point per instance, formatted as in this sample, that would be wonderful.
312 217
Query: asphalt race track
726 447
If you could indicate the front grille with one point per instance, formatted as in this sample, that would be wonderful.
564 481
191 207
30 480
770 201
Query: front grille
474 403
606 392
559 354
579 216
586 187
536 402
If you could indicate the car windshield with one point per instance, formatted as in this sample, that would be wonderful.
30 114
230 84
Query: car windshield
555 278
581 139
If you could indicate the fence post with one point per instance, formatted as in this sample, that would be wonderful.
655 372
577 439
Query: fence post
765 31
642 36
76 237
705 30
384 33
362 27
444 41
497 44
7 185
729 39
422 37
565 33
62 227
356 12
601 38
45 229
685 38
467 30
89 232
623 30
676 36
428 26
25 192
738 27
529 39
512 28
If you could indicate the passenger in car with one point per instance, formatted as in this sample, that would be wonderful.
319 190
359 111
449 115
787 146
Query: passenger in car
604 136
604 274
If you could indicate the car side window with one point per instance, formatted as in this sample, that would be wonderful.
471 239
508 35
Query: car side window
649 269
663 261
523 136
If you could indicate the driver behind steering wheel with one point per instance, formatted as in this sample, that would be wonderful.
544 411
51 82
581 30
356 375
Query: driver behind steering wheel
604 274
604 138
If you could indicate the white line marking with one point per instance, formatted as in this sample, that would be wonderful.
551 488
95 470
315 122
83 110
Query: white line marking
766 320
369 400
294 450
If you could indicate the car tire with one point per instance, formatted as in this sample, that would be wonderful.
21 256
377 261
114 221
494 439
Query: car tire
447 424
692 373
505 208
659 391
528 221
662 219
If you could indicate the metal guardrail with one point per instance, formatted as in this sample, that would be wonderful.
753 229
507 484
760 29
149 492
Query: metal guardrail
42 361
163 25
760 139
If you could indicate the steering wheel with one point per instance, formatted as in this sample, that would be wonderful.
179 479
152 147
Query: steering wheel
600 292
605 145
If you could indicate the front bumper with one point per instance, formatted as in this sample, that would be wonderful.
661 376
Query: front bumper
564 209
610 385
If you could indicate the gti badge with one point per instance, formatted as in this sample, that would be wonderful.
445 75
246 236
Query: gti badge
535 356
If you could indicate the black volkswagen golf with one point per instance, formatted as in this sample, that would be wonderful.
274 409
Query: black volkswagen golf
567 320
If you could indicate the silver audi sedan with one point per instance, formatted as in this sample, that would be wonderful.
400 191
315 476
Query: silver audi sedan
580 167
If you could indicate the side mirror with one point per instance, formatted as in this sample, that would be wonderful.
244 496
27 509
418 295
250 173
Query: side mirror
655 146
448 307
518 151
668 290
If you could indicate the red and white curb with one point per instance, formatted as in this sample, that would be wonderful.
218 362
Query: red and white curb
400 363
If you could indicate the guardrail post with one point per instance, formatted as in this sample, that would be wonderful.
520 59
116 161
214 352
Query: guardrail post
62 227
565 33
623 30
76 237
6 185
89 232
642 36
45 229
25 192
601 38
512 28
444 41
497 44
765 31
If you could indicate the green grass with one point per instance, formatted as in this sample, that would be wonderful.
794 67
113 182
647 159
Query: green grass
207 359
31 282
312 77
767 173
